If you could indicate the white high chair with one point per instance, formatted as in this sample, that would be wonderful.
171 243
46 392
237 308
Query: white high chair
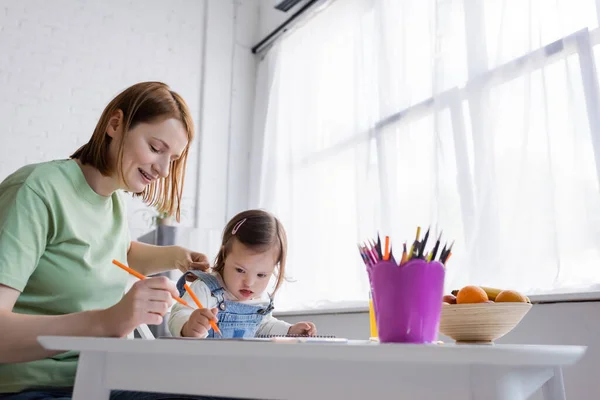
145 332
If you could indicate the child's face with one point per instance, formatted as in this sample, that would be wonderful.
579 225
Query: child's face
247 272
148 151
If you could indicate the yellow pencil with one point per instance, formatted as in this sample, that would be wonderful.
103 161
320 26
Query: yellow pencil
412 246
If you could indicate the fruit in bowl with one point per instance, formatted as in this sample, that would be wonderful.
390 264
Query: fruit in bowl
511 296
482 314
508 296
449 299
471 295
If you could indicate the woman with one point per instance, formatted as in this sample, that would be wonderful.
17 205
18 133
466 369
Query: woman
63 222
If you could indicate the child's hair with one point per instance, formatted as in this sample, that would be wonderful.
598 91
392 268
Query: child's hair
258 230
145 102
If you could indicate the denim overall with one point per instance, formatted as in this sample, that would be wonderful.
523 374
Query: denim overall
236 320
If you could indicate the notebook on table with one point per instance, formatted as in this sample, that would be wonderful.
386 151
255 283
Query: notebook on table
275 338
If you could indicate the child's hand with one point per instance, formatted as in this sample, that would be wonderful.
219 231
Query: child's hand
303 328
198 325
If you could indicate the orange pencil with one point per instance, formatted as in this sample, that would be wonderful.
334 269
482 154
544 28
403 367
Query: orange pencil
140 276
193 296
386 254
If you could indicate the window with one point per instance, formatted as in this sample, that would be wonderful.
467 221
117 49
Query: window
470 115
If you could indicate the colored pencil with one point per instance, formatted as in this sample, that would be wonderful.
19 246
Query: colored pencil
424 243
197 301
436 247
140 276
386 254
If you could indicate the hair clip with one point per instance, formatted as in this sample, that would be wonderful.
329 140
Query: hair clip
237 226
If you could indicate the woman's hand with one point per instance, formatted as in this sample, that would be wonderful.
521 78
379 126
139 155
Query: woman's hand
146 302
303 328
186 260
148 259
199 323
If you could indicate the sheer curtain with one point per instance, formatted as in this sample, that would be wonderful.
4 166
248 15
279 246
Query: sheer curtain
468 116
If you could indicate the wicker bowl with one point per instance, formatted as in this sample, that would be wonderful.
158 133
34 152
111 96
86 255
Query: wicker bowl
481 322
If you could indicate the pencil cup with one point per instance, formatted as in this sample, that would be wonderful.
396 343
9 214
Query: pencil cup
408 300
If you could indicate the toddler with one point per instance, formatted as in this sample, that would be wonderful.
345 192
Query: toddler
253 249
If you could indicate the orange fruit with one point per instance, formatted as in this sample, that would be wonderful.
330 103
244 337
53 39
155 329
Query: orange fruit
510 296
471 294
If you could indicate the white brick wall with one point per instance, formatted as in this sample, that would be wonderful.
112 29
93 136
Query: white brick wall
62 61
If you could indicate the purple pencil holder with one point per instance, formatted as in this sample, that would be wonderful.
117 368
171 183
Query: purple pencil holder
407 300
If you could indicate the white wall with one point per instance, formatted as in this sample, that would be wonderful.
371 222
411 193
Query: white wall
62 61
561 323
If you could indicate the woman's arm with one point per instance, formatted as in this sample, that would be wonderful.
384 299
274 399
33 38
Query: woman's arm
148 259
145 303
19 332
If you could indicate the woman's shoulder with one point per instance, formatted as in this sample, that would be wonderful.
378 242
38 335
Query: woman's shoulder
34 175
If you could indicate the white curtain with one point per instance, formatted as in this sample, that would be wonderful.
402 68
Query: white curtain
469 116
260 182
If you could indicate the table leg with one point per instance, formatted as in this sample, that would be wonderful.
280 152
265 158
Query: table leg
89 379
554 388
509 383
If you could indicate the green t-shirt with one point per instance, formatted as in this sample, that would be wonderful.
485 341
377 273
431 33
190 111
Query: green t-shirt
57 241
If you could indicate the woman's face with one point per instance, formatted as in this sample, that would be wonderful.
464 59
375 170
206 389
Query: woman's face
148 151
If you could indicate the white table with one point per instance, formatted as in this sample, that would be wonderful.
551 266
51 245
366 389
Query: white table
357 370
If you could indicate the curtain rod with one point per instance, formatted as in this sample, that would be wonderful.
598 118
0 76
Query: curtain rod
281 29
